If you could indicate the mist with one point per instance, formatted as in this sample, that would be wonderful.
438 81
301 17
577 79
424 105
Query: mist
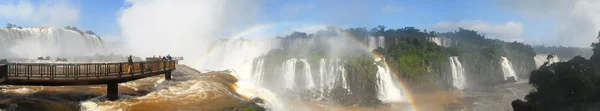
183 28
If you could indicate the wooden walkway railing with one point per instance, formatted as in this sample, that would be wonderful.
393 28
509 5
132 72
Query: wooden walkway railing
60 74
84 71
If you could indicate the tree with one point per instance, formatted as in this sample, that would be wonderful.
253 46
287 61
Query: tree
596 56
9 25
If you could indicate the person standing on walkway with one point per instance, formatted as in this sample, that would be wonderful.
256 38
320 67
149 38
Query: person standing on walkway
130 62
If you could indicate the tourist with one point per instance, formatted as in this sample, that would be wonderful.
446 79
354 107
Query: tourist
169 57
130 62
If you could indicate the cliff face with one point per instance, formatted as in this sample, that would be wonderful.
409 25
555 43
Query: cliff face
18 42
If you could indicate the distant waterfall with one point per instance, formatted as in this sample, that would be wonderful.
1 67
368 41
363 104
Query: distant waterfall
239 55
310 83
36 42
445 42
259 71
374 42
289 74
507 69
540 59
332 74
458 73
388 86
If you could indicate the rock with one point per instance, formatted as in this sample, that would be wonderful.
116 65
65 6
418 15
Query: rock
251 107
257 100
519 105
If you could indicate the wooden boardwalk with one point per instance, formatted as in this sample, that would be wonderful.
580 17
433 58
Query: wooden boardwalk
62 74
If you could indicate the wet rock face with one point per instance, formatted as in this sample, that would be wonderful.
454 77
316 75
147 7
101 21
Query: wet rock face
519 105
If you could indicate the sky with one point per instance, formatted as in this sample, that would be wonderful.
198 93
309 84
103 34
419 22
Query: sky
537 22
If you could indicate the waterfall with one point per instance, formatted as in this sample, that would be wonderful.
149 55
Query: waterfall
310 83
374 42
289 71
458 73
289 74
540 59
381 41
444 42
388 86
36 42
259 71
507 69
239 55
332 74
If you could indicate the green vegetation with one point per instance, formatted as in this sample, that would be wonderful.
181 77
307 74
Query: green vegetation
566 84
422 64
564 53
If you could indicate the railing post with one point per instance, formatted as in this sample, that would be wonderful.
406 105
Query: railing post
52 72
120 69
3 71
142 67
77 70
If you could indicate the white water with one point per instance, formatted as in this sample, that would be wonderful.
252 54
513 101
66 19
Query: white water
259 71
41 42
374 42
389 88
310 84
330 71
507 69
289 75
445 42
540 59
458 73
238 55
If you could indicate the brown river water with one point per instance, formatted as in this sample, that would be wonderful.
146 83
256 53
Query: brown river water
188 90
191 90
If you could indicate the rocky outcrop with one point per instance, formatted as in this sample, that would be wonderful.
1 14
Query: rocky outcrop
519 105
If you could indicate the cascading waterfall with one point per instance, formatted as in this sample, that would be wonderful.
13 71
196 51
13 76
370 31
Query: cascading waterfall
374 42
389 89
445 42
540 59
458 73
507 69
310 83
259 71
35 42
238 55
331 72
289 74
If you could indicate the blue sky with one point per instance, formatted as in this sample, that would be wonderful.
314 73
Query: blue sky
504 20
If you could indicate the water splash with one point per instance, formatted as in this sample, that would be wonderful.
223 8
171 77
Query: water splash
389 89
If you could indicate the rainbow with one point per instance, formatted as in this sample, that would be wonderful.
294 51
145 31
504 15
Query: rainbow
363 46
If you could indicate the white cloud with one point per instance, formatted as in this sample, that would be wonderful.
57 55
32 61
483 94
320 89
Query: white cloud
182 28
392 8
46 13
578 20
509 31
